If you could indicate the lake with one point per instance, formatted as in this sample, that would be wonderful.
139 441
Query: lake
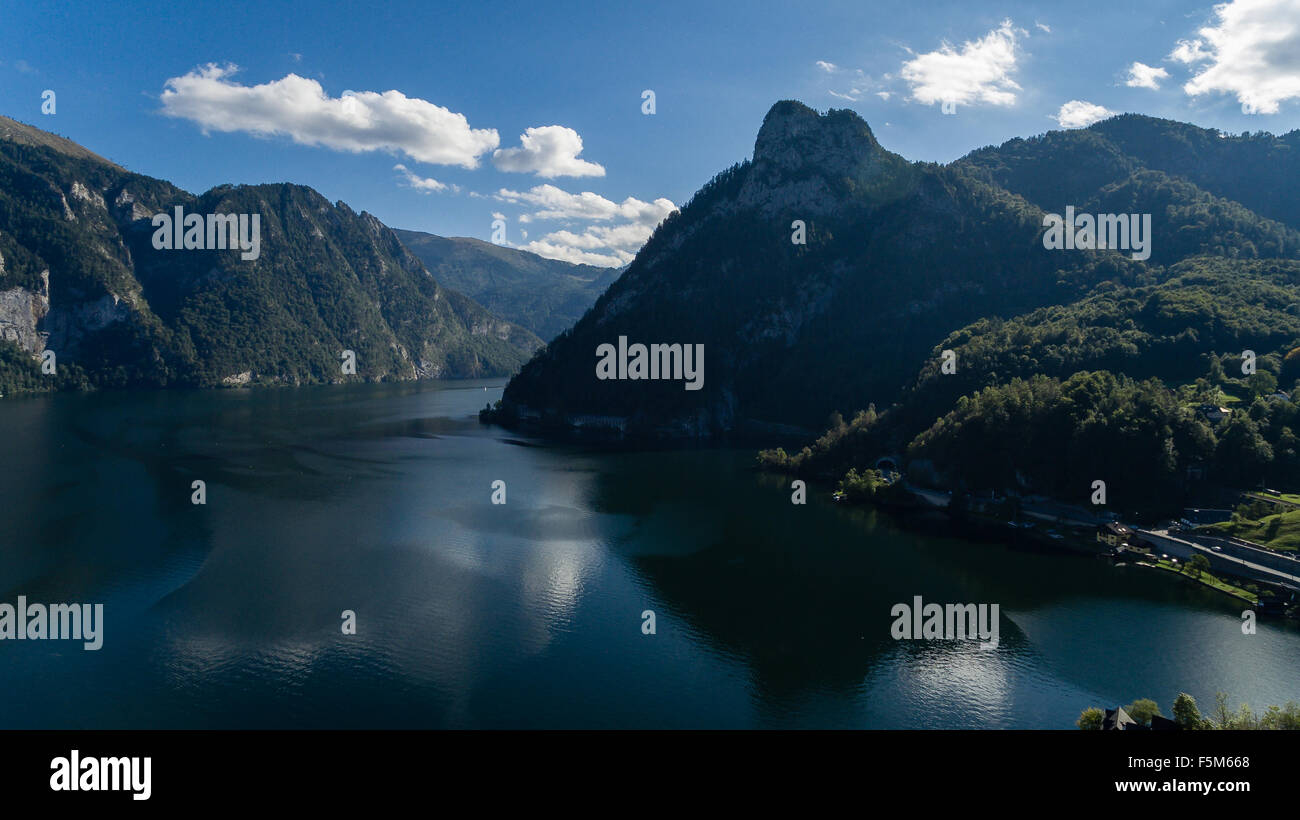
377 499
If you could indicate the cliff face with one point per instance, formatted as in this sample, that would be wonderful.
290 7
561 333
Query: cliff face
21 311
813 163
894 257
82 277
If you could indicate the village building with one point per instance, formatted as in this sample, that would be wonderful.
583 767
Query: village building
1113 534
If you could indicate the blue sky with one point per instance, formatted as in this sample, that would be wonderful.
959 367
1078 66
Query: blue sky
204 93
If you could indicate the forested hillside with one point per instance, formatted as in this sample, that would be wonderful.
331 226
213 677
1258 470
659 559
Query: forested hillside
80 278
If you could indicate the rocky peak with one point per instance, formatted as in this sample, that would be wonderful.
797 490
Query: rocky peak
807 162
794 137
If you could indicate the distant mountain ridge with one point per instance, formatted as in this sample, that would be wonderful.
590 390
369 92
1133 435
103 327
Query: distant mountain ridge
1225 165
79 276
547 296
898 255
1209 193
23 134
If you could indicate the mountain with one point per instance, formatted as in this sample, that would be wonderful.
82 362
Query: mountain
1208 193
546 296
898 256
1260 171
1115 384
80 276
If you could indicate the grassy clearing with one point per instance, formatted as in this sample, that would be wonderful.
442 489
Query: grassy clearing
1281 531
1290 498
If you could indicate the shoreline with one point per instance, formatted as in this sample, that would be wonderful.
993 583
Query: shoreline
985 527
1241 595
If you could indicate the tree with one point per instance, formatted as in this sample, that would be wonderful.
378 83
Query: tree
1291 366
1216 376
1242 452
1243 718
1222 717
1262 383
1282 717
1186 714
1197 564
860 487
1142 710
1090 719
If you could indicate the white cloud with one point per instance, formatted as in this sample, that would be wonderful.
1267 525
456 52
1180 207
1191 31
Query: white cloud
604 245
1080 114
556 250
549 151
425 185
556 203
979 72
1252 50
1044 27
1141 75
355 121
498 215
859 82
884 95
1189 51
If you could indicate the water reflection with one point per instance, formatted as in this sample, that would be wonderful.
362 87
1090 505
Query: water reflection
377 499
